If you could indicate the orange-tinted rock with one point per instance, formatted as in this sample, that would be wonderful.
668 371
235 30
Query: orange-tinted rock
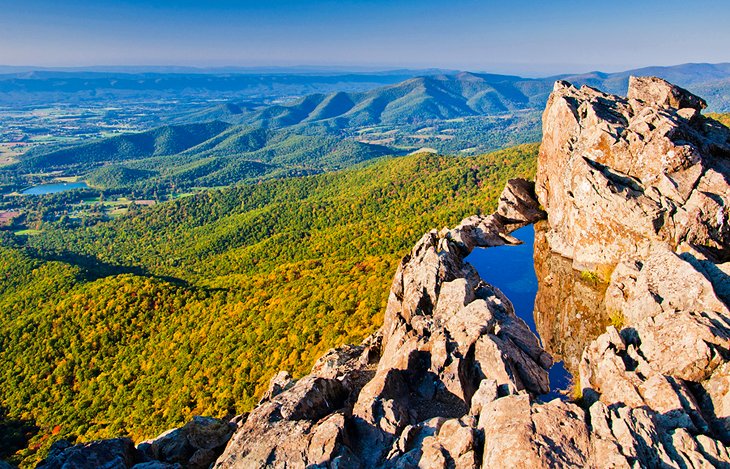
618 174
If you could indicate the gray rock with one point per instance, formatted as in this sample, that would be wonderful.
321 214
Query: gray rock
196 445
118 453
657 92
622 435
517 204
156 465
453 446
171 446
518 433
279 383
288 427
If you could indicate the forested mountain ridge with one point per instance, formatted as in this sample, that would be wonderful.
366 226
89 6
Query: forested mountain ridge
162 141
415 100
462 112
464 94
134 325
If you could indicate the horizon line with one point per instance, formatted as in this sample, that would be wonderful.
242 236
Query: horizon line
315 68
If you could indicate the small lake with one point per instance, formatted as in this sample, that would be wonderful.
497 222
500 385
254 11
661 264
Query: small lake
512 270
43 189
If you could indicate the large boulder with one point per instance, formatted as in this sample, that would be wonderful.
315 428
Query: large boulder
617 175
196 445
117 453
298 425
518 433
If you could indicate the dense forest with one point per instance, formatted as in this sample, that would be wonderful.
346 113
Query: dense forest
215 154
134 325
724 119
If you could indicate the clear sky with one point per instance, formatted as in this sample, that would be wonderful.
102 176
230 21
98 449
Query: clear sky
529 37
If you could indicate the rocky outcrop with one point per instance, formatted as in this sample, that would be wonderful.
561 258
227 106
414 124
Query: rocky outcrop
636 192
115 453
411 394
196 445
618 175
636 195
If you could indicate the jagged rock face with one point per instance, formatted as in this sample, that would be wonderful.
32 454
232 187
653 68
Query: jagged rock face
570 308
618 174
115 453
196 445
518 433
446 333
637 192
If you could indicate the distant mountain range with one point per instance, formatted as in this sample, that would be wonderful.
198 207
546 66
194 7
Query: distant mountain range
232 142
23 82
475 93
254 70
45 86
451 96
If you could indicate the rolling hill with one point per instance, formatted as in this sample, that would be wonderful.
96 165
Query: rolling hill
208 154
166 140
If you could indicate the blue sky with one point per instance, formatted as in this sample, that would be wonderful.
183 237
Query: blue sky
529 37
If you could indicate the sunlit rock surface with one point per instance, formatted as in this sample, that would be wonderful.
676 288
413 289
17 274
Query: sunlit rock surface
617 175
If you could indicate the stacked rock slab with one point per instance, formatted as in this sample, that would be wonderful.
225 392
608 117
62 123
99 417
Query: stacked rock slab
618 176
636 190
